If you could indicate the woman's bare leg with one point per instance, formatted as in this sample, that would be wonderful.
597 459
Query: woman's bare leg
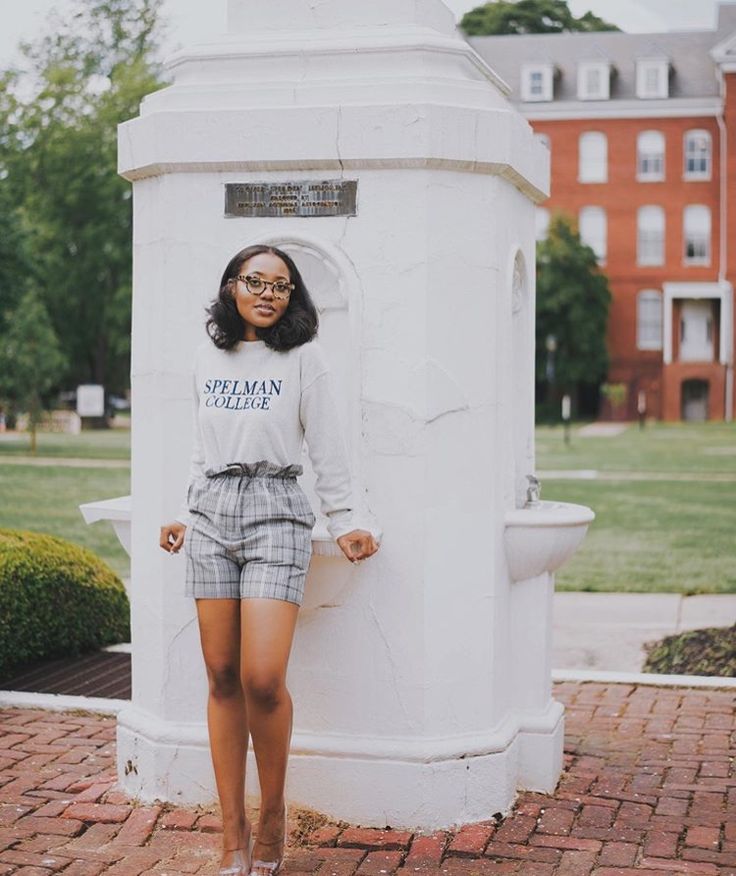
267 634
227 717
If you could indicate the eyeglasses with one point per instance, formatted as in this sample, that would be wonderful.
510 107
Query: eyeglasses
257 286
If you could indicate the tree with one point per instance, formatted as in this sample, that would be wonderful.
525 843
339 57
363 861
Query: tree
58 157
573 299
528 16
31 361
16 269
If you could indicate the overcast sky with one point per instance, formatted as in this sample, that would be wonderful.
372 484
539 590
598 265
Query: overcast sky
195 20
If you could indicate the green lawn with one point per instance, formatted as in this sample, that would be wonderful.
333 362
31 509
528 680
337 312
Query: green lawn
650 535
47 499
660 447
98 444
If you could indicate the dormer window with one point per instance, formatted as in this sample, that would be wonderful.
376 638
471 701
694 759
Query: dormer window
536 82
594 80
652 78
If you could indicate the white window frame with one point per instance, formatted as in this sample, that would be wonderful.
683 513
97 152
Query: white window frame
646 337
546 74
644 68
603 68
706 237
600 245
650 242
687 141
653 155
592 168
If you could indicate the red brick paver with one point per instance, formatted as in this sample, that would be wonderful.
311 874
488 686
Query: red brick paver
649 787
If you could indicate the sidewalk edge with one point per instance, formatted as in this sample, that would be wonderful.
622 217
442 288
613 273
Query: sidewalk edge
646 678
20 699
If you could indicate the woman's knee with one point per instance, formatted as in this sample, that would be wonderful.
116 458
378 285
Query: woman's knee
224 681
265 689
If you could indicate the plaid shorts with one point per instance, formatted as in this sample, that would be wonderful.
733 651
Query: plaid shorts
250 534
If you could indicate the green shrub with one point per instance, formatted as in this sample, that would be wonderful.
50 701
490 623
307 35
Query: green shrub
710 651
56 599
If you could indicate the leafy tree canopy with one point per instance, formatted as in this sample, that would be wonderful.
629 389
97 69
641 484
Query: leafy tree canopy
58 166
528 16
573 299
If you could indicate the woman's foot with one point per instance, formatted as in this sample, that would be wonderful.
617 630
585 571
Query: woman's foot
268 851
237 858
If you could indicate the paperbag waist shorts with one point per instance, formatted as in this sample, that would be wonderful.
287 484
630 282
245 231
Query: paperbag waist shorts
250 534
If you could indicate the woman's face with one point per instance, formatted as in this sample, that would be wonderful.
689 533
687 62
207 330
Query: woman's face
266 309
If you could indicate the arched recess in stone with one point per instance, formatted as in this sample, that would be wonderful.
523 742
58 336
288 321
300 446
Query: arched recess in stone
334 287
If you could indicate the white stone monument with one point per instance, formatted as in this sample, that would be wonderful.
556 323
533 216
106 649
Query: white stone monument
421 679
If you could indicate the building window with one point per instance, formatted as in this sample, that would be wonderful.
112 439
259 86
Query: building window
593 154
652 78
593 231
536 82
649 320
698 148
594 80
696 228
650 156
541 220
650 236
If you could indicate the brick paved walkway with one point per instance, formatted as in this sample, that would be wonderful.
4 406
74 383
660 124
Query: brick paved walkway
649 788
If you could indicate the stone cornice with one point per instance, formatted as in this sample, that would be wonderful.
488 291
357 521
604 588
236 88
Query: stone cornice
337 139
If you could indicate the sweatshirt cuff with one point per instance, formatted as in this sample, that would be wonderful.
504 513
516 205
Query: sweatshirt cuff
340 523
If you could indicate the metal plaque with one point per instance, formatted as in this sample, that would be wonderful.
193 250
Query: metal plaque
332 197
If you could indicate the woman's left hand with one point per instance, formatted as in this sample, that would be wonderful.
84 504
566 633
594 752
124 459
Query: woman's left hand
358 545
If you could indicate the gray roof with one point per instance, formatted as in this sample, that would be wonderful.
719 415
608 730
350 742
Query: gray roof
693 70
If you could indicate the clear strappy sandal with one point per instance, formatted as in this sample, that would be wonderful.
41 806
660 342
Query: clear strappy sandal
241 863
272 868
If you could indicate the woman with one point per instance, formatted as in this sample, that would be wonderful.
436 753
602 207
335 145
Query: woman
261 386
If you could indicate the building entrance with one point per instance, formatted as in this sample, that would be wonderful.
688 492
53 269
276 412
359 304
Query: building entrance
695 400
696 331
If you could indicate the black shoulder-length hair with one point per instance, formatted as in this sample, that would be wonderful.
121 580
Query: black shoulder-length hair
297 326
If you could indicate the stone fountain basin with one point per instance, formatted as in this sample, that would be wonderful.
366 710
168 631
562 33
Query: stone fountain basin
542 537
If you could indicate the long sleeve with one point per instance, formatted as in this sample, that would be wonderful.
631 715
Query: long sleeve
196 465
321 424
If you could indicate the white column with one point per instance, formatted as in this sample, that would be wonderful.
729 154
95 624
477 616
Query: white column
405 711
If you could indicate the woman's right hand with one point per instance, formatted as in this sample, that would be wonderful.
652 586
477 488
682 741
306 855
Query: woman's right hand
172 537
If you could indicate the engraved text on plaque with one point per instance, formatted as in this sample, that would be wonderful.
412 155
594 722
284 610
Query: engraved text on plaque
332 197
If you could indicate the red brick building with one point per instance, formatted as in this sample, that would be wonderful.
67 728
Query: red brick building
642 133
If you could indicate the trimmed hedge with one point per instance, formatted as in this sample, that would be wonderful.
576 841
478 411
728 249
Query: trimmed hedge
56 600
710 651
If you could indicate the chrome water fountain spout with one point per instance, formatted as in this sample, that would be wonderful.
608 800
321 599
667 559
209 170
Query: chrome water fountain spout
533 491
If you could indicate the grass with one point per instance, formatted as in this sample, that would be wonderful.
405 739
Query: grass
47 498
660 447
98 444
652 536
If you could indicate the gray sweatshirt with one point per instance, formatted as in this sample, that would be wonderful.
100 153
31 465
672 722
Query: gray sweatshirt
253 403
